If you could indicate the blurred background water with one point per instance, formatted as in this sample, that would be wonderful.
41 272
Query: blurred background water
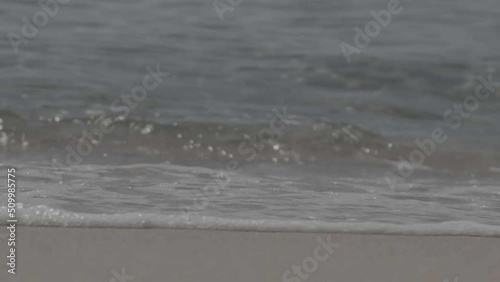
348 122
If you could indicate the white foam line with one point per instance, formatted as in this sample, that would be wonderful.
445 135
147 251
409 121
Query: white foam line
45 216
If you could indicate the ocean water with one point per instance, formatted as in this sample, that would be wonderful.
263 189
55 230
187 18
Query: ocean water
261 122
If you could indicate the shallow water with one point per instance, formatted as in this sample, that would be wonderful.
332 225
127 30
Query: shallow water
346 124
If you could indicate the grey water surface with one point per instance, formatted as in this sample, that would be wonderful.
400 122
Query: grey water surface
261 107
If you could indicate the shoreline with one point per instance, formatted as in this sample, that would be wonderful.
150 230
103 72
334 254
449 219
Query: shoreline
277 230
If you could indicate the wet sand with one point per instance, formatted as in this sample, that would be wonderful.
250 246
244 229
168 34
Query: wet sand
153 255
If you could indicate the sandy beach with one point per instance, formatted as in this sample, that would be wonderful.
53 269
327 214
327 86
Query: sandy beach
188 255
